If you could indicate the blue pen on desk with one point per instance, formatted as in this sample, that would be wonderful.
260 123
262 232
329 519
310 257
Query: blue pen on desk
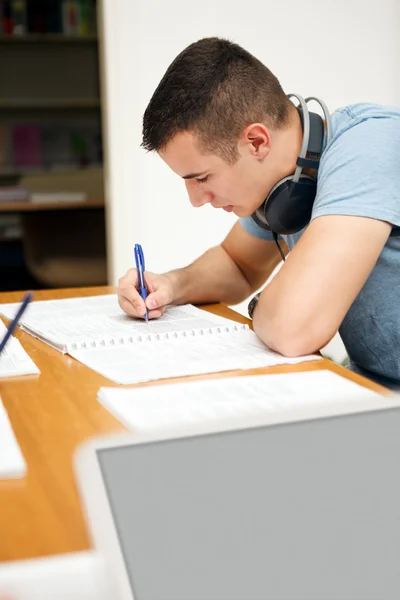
10 330
140 266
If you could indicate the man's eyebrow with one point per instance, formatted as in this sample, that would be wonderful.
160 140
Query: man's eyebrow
193 175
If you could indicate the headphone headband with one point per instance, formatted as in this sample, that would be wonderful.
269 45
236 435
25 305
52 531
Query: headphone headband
306 128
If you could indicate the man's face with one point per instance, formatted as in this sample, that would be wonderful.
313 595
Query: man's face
240 187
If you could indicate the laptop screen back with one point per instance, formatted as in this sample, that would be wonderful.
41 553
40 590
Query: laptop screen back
306 510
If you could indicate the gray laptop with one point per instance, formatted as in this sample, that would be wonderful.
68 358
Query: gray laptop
304 510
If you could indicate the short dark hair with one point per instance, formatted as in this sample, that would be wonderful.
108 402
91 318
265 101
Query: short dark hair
214 88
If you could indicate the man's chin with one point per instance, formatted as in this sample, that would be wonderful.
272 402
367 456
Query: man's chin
242 212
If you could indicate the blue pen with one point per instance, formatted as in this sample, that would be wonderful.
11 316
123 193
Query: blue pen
140 266
10 330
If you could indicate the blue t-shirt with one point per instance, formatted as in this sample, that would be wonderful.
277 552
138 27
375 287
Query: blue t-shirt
359 175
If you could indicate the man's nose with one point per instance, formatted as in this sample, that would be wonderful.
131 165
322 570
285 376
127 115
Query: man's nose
198 197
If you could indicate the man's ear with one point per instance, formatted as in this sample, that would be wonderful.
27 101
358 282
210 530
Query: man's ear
256 139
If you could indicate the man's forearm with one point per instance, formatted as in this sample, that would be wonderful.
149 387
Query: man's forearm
214 277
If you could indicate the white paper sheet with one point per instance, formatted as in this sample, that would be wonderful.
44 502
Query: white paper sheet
14 361
75 576
148 361
188 403
12 462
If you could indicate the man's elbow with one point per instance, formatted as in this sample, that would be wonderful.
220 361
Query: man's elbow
295 346
292 341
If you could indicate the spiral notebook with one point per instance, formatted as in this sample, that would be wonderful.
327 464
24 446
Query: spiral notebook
184 341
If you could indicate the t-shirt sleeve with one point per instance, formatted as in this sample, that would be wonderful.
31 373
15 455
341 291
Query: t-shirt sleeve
257 231
360 173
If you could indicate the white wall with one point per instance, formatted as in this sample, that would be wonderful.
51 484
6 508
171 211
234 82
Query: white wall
342 50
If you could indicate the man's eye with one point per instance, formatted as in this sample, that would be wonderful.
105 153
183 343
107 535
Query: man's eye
203 179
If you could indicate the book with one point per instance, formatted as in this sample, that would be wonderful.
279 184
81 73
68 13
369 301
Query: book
49 197
26 146
19 17
15 193
1 19
4 141
184 341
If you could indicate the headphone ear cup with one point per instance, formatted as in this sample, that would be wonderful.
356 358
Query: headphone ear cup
288 207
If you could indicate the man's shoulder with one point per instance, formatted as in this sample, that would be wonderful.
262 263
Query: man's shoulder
361 130
359 173
353 115
367 110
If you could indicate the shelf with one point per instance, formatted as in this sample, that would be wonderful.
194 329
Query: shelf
17 207
49 104
48 38
4 239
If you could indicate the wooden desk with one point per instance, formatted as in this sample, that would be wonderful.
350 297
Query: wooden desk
51 414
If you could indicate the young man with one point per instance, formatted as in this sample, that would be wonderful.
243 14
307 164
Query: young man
221 121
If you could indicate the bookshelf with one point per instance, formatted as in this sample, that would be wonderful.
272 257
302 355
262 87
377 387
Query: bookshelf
51 143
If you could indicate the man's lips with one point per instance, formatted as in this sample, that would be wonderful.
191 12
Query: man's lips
226 208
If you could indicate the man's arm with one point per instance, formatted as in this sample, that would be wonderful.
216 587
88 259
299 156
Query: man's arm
227 273
304 305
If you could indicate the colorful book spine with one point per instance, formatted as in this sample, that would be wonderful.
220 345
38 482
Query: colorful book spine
26 146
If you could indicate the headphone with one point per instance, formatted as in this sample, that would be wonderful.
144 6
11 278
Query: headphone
288 206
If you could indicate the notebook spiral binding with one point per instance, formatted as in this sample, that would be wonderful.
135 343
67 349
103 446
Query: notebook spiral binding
155 337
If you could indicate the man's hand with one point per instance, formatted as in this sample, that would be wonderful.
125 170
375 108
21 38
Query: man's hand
160 294
226 273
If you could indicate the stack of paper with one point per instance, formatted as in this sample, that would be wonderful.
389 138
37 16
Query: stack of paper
12 463
280 396
75 576
14 361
